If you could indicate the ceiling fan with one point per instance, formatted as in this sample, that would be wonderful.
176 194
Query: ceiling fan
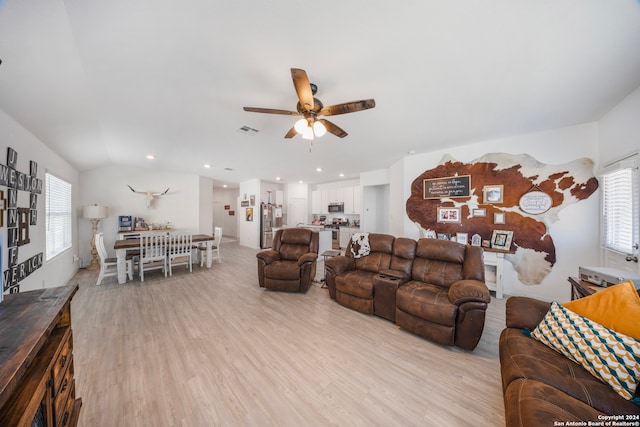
311 109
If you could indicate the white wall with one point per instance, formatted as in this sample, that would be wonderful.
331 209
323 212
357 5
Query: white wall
249 231
575 235
620 129
61 269
107 186
205 210
229 223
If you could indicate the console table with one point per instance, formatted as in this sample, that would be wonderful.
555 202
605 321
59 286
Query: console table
495 258
37 386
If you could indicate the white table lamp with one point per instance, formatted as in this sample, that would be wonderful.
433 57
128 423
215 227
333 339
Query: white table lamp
95 213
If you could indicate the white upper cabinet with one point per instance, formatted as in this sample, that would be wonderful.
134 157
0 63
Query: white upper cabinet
316 202
353 200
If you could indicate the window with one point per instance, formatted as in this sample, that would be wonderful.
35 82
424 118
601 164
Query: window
620 206
58 216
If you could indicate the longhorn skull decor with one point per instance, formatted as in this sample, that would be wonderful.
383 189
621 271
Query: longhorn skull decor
149 195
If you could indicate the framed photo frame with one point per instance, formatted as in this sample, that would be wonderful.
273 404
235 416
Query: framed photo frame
249 214
444 236
476 240
462 238
499 218
252 200
493 194
449 214
479 212
501 239
430 234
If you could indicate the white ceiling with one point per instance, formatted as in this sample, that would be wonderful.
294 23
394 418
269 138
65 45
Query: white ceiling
108 82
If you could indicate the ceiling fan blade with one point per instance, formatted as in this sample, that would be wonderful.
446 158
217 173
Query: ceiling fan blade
303 88
337 131
292 132
348 107
271 111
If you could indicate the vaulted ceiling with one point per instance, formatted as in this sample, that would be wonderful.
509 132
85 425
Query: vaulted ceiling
110 82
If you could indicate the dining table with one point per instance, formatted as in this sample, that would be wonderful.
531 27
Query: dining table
122 246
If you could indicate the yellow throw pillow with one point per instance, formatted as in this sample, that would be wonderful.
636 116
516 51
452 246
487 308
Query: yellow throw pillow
616 307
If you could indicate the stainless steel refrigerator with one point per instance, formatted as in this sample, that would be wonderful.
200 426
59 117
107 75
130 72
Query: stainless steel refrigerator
270 218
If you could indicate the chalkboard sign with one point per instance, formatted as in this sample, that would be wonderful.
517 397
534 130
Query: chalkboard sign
450 186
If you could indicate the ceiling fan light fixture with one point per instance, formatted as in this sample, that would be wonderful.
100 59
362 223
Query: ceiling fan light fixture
319 129
301 126
308 133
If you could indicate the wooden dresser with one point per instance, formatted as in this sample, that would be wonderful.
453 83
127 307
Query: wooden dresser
37 386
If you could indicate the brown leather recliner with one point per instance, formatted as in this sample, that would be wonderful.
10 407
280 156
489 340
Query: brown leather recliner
446 299
290 265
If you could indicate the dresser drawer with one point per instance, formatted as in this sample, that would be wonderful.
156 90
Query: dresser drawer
62 362
61 394
64 417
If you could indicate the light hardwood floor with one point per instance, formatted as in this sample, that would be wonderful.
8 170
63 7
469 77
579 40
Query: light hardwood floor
211 348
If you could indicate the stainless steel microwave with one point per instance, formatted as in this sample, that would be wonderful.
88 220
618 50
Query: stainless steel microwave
336 207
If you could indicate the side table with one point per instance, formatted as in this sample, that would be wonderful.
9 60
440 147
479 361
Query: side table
581 288
325 255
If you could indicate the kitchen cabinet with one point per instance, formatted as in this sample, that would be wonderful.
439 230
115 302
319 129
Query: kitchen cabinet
316 202
336 195
324 201
353 200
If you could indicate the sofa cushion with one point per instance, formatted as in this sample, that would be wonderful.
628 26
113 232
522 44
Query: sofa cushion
612 357
616 307
284 269
529 402
524 357
426 301
358 283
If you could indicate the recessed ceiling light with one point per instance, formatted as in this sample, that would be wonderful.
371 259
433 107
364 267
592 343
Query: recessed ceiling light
341 175
224 185
278 178
299 182
318 169
150 157
207 166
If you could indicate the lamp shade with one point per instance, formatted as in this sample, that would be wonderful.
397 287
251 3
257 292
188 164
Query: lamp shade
94 212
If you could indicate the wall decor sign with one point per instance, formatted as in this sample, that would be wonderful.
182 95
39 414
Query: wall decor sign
19 219
535 201
244 203
450 186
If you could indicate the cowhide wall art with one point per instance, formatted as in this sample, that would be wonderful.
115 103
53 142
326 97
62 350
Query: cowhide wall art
534 253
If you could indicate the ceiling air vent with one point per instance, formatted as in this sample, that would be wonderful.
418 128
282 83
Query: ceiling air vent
248 130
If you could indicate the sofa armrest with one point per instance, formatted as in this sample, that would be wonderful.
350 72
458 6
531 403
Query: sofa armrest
339 264
469 291
525 312
268 256
307 258
401 275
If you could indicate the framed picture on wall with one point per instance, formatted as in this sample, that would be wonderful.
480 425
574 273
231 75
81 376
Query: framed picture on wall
430 234
479 212
249 214
449 214
493 193
462 238
499 218
501 239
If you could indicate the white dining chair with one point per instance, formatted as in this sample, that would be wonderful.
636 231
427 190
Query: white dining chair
179 252
109 265
153 253
215 247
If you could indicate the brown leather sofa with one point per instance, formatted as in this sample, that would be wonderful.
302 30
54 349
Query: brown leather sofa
433 288
351 280
542 386
290 265
446 299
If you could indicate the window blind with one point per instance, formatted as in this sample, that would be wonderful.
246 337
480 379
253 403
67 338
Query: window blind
58 216
620 210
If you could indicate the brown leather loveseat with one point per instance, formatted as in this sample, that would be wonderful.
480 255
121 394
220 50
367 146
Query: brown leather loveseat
433 288
290 265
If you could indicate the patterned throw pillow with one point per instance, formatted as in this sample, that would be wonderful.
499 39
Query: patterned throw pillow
360 245
610 356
